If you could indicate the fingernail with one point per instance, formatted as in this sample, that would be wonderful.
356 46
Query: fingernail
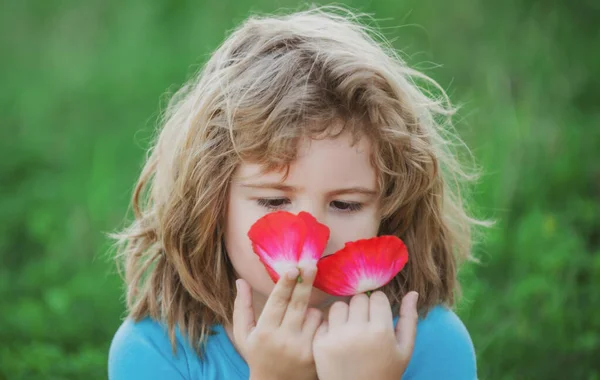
309 271
416 299
237 285
292 273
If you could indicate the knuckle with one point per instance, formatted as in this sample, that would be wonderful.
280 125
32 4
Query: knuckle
262 336
404 355
298 304
410 315
380 334
379 331
279 301
288 347
281 345
305 357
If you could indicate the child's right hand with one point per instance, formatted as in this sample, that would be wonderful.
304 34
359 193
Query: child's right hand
279 345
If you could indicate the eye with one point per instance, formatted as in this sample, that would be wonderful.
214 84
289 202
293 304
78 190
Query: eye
273 203
346 206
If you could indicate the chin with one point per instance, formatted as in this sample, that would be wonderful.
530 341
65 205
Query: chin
321 300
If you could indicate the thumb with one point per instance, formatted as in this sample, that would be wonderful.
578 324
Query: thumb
243 313
406 328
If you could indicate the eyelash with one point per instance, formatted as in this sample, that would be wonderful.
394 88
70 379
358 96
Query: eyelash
278 203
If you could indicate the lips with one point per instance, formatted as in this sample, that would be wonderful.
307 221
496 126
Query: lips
283 241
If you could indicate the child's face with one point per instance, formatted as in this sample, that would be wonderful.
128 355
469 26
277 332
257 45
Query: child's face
331 179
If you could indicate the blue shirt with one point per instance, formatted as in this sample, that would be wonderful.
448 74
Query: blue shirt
142 350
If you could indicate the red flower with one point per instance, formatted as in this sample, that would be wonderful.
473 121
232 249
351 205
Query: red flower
361 266
283 241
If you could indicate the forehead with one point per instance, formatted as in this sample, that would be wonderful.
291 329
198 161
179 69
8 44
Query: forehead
325 162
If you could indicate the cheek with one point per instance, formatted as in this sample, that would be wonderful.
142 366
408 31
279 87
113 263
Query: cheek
240 218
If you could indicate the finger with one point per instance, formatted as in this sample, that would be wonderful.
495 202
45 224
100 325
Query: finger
313 320
406 329
296 310
322 330
277 303
243 313
358 311
338 314
380 311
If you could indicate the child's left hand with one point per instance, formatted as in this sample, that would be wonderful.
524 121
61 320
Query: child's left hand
359 341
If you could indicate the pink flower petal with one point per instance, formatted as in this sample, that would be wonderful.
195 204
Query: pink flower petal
277 238
317 235
361 266
283 241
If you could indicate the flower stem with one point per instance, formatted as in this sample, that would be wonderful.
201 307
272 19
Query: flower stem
368 293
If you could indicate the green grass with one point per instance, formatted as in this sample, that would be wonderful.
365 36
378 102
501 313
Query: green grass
83 82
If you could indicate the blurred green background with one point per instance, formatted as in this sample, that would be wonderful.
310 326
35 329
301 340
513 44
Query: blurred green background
82 83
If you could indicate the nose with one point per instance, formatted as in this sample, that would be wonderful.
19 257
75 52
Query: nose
319 212
316 210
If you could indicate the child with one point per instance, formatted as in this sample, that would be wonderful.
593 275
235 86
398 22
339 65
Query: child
303 112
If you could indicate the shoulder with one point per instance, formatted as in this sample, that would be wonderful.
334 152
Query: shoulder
443 348
142 350
442 323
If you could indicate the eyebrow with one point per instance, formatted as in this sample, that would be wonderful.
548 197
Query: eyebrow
291 189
